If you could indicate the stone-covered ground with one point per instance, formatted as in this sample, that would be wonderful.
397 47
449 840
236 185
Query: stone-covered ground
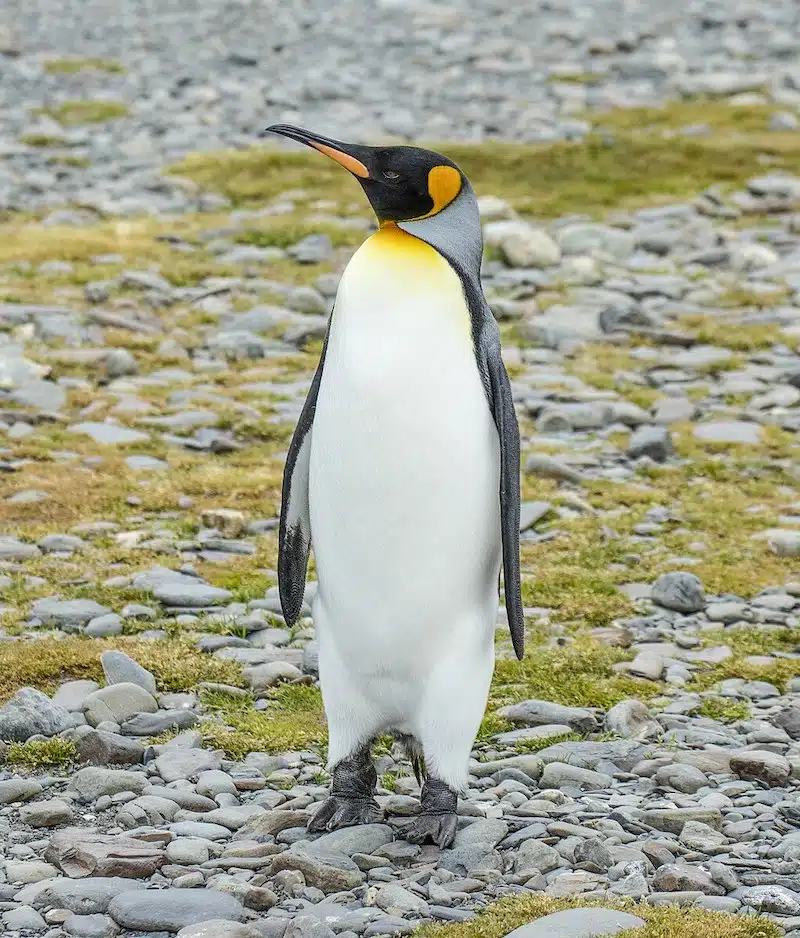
162 302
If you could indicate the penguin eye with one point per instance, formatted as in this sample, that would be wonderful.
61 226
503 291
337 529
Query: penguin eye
390 174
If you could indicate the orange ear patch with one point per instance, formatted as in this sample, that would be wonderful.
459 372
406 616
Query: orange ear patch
444 184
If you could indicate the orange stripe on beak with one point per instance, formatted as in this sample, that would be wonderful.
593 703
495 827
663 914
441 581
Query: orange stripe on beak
350 163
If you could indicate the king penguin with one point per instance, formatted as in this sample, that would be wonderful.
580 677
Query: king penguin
403 473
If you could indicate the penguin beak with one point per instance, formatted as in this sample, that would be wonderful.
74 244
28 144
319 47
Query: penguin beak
349 155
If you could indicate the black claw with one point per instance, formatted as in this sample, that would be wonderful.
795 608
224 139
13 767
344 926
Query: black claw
351 801
437 820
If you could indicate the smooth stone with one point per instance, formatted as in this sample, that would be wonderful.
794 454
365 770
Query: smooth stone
31 713
586 922
681 592
119 668
118 703
173 909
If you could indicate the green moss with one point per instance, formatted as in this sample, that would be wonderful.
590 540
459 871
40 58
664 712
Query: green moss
44 664
662 921
77 162
724 709
580 674
294 720
536 745
754 639
39 754
72 66
778 672
720 117
389 781
244 585
41 140
283 233
576 594
74 113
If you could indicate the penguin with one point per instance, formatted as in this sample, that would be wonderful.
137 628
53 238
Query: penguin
403 473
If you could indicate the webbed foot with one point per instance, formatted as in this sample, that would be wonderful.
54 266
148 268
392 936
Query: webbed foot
437 820
351 800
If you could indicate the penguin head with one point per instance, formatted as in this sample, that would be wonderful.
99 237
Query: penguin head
403 184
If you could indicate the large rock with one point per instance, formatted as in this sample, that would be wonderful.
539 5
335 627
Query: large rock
79 852
118 703
50 813
186 763
98 747
333 872
544 713
681 592
673 877
624 753
522 245
193 594
561 775
84 896
31 713
587 922
365 838
119 668
173 909
89 784
19 789
762 766
264 827
672 820
69 615
631 719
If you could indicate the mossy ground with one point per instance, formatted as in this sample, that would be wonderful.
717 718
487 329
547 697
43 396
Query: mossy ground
75 113
73 66
661 922
719 495
41 754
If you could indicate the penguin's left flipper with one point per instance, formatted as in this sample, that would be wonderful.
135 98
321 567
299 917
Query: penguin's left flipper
294 536
505 419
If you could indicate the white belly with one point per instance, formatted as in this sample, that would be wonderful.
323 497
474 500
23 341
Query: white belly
404 475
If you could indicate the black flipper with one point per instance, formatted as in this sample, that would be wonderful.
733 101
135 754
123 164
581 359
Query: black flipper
505 419
294 536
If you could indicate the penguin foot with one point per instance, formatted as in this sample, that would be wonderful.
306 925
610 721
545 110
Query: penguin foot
437 821
339 812
438 828
351 800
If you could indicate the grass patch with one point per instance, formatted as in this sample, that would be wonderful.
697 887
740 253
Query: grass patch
176 664
578 675
75 113
73 66
294 720
39 754
724 709
536 745
283 233
720 117
740 337
778 672
41 140
549 179
662 922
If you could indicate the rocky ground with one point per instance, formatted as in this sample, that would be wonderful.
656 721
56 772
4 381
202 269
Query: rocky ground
162 733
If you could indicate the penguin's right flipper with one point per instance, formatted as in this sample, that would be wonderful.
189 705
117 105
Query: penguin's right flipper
505 418
294 536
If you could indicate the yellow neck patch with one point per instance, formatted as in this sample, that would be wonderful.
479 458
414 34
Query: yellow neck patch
444 184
